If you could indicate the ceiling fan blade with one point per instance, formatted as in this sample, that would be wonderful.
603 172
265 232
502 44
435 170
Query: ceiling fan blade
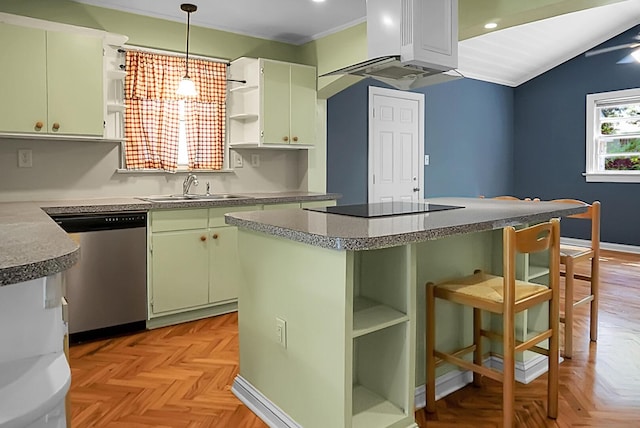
611 48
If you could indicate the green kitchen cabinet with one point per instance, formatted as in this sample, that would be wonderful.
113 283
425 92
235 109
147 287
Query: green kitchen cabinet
289 103
224 268
193 263
276 107
180 275
179 257
225 274
52 82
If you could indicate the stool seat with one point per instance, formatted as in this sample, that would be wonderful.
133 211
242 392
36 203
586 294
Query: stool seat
574 251
488 287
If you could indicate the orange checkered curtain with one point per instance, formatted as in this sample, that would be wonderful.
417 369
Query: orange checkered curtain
152 112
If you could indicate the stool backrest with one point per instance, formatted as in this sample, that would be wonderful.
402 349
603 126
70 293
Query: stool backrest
592 214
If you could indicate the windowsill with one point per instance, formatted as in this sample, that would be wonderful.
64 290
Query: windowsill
159 171
613 177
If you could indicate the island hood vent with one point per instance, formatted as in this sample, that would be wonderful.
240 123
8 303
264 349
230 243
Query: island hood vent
411 43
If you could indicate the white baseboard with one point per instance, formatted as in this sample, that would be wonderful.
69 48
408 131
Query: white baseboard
271 414
450 382
634 249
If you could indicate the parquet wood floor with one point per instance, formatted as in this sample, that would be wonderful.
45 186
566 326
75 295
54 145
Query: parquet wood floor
181 376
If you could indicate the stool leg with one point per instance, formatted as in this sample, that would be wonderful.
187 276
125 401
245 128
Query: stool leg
595 291
568 308
477 340
430 373
554 354
508 370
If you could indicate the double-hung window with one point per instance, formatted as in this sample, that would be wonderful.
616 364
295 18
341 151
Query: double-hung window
613 136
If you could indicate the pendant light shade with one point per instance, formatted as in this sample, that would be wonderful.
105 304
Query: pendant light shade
187 87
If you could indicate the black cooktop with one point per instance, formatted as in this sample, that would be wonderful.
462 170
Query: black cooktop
384 209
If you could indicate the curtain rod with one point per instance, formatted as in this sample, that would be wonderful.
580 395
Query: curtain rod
172 53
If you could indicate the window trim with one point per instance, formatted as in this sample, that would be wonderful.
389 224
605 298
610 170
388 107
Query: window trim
592 174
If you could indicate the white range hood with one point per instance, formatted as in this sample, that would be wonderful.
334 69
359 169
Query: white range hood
411 43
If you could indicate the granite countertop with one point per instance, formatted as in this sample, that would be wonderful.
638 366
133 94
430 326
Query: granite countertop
32 245
342 232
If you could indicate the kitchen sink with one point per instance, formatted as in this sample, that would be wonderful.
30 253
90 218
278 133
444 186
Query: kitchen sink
192 197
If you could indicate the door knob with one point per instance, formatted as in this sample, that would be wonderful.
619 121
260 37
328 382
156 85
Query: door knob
416 189
56 126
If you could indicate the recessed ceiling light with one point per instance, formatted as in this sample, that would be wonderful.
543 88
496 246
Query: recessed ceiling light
490 25
318 1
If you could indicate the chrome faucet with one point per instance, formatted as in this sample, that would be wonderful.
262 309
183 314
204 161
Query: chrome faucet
188 181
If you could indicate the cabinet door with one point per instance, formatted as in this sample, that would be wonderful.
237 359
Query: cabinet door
224 267
275 102
24 84
179 270
303 104
75 84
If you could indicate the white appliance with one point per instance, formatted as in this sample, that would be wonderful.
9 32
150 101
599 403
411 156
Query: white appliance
411 43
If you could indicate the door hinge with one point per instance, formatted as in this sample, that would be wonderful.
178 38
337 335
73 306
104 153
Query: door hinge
373 113
261 70
374 179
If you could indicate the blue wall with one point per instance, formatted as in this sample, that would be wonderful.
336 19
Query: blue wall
468 136
550 140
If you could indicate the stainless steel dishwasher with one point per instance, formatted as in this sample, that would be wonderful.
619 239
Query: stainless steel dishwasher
107 289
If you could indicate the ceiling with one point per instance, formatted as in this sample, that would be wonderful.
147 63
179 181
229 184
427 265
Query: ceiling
508 56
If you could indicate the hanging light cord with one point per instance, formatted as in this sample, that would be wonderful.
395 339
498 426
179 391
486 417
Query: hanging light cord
186 7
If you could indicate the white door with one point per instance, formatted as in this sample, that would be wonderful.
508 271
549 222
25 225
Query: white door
396 145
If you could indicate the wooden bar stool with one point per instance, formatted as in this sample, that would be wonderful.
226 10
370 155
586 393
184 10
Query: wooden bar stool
570 255
506 296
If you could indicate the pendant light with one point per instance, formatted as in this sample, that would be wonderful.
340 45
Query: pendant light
186 87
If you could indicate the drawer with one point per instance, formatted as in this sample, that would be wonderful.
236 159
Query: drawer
183 219
216 215
318 204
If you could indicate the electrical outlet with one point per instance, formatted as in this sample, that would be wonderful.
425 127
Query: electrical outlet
25 158
255 160
281 332
426 160
237 160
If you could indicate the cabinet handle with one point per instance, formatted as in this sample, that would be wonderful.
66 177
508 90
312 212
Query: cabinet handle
203 238
56 126
215 236
295 139
285 138
39 125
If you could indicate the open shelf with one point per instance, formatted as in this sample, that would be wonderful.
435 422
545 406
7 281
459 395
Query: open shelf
370 316
116 74
116 107
244 116
244 88
370 409
537 271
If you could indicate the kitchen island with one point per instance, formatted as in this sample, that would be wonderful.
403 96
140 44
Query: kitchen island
327 309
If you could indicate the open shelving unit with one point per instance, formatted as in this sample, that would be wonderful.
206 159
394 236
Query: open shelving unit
115 74
383 331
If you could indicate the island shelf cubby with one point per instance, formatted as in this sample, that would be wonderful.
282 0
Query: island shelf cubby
383 335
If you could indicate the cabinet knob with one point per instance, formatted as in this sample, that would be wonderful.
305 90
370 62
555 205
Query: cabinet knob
215 236
55 126
203 238
295 139
39 125
285 138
